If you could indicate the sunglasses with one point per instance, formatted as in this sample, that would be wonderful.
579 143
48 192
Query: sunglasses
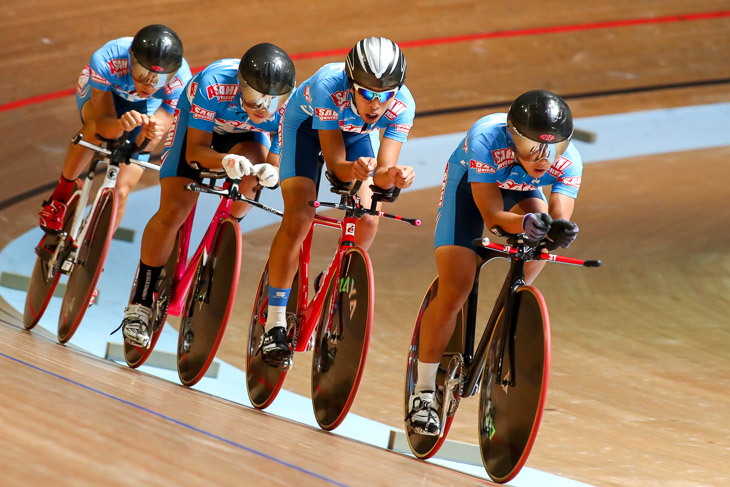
142 75
370 95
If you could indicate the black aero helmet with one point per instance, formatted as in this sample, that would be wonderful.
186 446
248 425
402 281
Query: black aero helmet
540 124
376 62
158 49
267 69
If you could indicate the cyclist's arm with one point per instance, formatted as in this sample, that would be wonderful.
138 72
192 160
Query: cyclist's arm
488 198
560 206
273 159
387 174
164 118
107 123
199 150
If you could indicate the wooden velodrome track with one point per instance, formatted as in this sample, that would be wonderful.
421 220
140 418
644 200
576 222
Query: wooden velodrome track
640 385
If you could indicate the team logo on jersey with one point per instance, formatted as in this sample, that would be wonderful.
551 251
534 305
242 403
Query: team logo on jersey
443 185
173 128
326 114
222 92
403 128
559 167
307 94
98 78
481 167
118 67
341 99
82 87
173 85
503 157
233 125
202 113
573 182
172 103
511 185
465 146
395 109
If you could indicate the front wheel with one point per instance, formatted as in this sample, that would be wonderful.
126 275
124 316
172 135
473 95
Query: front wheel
426 446
510 406
88 265
46 271
342 339
264 382
209 303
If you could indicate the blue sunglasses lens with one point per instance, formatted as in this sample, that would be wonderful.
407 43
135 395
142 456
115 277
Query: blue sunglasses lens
370 95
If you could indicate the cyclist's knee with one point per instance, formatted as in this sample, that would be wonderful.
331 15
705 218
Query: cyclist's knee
296 224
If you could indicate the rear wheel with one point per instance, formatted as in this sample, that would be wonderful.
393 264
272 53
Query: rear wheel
45 275
88 265
264 381
426 446
342 339
209 303
134 355
510 414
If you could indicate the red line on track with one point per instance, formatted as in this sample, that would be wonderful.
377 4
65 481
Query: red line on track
558 29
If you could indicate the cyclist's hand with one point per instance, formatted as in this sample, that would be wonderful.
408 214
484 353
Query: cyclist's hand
536 225
402 176
237 166
153 129
363 167
132 119
267 174
562 233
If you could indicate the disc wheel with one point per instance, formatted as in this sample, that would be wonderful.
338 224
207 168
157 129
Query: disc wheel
209 304
426 446
45 275
509 415
342 339
263 382
88 265
164 289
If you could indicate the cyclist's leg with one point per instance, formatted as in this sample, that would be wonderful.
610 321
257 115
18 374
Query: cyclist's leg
128 177
299 173
78 157
522 203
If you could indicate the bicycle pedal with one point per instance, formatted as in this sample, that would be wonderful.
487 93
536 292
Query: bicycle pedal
187 343
286 364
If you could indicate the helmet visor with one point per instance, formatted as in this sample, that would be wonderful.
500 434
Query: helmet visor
144 76
255 100
529 150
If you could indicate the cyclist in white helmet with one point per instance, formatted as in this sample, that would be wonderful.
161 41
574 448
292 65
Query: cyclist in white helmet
339 111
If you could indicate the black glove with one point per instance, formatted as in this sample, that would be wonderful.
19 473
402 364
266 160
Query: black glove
536 225
561 233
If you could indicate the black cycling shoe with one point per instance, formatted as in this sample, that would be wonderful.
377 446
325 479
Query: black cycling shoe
274 347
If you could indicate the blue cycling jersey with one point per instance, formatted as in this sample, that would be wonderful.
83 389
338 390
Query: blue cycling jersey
486 153
211 104
109 70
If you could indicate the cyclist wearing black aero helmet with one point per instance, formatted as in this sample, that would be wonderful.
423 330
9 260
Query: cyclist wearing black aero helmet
339 111
493 178
130 84
230 112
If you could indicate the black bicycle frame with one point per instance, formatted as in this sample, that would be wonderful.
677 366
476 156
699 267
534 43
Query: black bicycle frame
475 362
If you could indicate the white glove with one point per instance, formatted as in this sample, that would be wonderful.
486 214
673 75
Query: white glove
237 166
267 174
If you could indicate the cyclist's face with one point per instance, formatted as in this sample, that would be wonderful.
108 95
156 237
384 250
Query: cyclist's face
370 110
145 88
536 167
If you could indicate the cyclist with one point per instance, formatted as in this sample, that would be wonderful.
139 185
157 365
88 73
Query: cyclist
339 111
224 120
494 177
130 84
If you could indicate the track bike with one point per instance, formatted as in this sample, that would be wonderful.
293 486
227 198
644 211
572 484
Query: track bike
201 290
336 322
80 249
512 361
